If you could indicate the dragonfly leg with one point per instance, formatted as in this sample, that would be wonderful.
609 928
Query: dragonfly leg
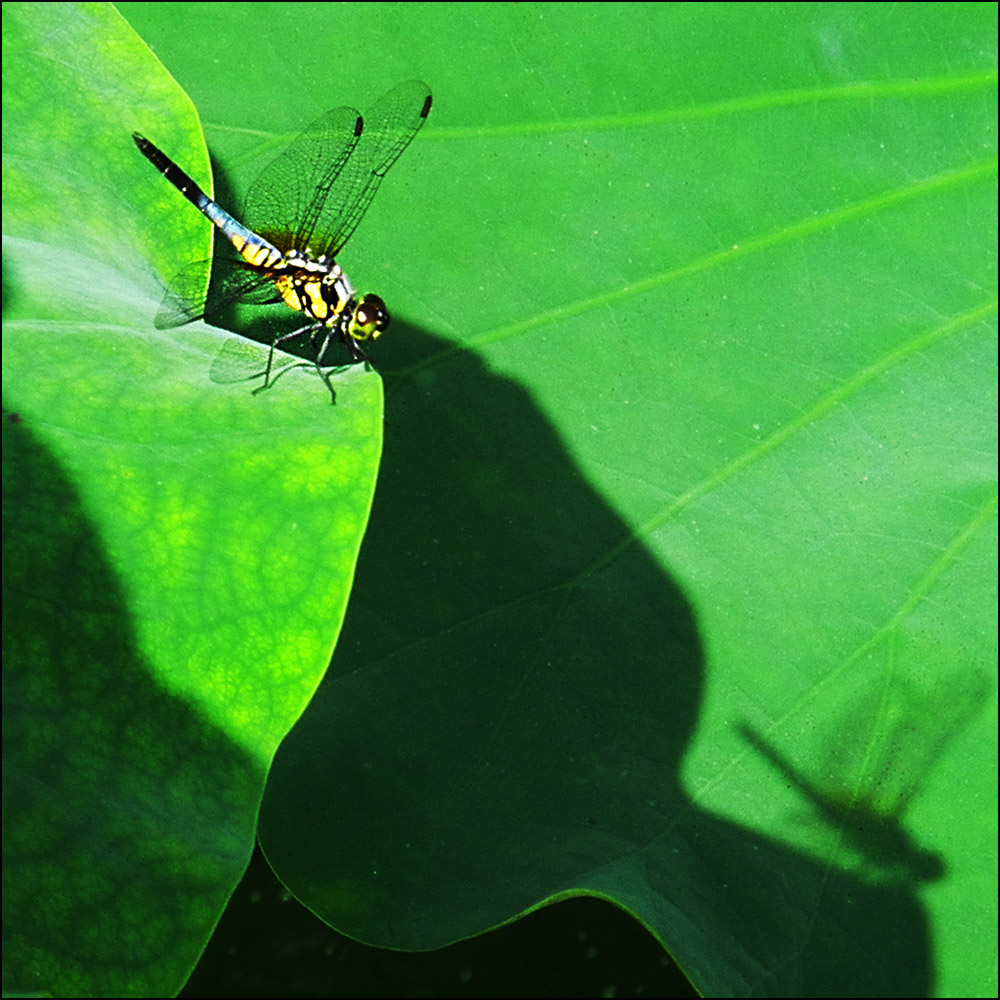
302 331
357 352
323 335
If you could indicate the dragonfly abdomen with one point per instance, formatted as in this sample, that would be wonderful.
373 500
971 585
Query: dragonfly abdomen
253 248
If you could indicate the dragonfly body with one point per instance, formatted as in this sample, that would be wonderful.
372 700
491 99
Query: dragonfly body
328 176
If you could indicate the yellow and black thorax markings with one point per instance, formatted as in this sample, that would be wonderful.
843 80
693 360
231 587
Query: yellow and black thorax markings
317 288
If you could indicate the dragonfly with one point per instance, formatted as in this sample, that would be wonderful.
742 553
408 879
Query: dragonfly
299 214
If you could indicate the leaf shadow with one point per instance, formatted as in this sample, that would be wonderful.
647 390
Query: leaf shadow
105 805
503 724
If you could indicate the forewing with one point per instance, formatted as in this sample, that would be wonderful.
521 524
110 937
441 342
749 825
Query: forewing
284 202
389 127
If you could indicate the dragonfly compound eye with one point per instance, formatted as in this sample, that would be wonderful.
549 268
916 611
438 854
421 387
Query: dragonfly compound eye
370 319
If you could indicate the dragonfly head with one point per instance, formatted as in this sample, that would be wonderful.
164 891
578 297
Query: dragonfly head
369 319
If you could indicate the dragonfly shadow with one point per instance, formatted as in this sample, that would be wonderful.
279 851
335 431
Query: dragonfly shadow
514 688
880 840
881 744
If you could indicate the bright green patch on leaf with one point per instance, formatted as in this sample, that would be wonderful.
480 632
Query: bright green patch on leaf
177 554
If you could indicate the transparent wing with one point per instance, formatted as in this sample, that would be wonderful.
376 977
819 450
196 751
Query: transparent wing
284 201
316 192
186 300
241 360
389 127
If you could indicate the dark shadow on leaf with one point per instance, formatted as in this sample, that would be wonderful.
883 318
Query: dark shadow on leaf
109 819
506 714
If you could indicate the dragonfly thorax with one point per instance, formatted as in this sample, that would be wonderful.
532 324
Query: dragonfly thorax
318 287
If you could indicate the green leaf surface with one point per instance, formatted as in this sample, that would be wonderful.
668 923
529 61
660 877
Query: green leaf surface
679 587
177 554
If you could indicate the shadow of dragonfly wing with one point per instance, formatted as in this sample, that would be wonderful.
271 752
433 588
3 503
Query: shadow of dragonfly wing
881 839
876 754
